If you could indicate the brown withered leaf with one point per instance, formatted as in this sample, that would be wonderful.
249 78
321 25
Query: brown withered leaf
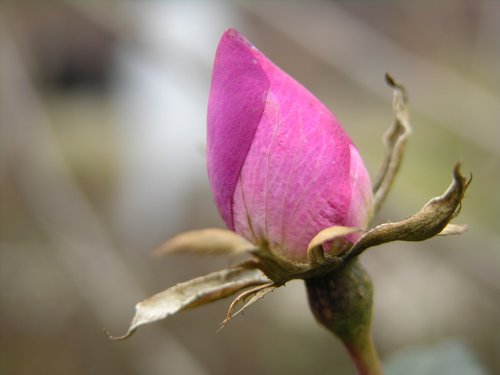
395 140
193 293
207 241
426 223
246 299
315 252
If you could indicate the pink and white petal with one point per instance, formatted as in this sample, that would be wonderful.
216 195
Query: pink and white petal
236 103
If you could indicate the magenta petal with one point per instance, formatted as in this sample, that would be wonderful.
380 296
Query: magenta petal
235 107
360 209
280 165
295 179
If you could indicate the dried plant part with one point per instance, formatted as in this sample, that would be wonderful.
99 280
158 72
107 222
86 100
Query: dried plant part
426 223
315 252
395 140
246 299
207 241
193 293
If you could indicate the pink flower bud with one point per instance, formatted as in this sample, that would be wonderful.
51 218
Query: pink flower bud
280 166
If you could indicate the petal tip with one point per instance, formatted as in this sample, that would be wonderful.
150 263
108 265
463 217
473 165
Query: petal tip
235 107
234 34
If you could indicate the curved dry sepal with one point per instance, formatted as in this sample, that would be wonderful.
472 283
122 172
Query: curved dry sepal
336 235
428 222
193 293
246 299
395 141
207 241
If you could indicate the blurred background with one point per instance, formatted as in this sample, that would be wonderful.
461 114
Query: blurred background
102 132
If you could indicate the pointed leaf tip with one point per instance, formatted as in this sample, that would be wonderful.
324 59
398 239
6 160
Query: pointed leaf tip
390 80
129 333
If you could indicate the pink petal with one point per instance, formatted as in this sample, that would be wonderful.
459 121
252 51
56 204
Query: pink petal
280 165
295 180
235 106
360 209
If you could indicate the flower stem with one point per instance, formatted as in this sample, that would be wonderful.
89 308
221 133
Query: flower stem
364 355
342 302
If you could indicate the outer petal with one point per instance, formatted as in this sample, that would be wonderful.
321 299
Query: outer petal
296 177
360 209
235 107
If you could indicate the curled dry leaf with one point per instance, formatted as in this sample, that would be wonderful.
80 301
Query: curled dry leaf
395 140
315 249
426 223
246 299
207 241
193 293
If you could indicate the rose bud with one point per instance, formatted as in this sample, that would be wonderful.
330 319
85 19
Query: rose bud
296 196
280 166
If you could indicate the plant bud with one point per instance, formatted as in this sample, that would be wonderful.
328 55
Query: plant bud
280 166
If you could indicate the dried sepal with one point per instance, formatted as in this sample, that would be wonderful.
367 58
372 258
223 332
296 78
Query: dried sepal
207 241
335 234
426 223
246 299
395 141
193 293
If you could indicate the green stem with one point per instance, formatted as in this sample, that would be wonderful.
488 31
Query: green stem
342 302
364 355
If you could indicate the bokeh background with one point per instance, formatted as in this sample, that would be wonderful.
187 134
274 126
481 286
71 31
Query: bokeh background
102 131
